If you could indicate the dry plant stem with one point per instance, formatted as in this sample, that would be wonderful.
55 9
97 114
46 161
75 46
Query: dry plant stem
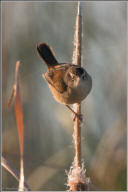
12 170
18 111
77 180
77 134
21 182
77 128
19 122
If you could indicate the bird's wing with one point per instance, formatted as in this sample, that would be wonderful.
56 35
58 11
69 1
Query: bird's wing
56 80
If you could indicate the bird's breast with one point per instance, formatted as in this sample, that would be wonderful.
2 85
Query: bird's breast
71 95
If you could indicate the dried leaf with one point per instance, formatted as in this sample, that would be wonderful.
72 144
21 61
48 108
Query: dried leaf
19 122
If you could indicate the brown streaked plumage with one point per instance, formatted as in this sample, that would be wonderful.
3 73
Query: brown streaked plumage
68 83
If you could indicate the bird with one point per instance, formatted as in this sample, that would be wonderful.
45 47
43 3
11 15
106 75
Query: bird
69 83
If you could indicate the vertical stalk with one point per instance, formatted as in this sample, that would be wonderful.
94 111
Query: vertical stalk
77 180
77 61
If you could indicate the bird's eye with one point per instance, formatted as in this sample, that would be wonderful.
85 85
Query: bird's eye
84 77
79 71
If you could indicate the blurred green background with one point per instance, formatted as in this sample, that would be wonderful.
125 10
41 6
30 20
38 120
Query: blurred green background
48 125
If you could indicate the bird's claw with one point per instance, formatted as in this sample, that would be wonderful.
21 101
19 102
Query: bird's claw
79 116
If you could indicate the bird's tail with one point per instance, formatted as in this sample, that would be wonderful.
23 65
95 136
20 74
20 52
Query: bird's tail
47 54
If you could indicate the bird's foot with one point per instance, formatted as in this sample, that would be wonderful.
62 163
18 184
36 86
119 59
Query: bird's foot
76 115
79 116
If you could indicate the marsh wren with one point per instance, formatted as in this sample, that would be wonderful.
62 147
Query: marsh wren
68 83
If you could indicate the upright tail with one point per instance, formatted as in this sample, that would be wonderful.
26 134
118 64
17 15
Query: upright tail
47 54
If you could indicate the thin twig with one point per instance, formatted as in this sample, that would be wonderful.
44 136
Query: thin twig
13 171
